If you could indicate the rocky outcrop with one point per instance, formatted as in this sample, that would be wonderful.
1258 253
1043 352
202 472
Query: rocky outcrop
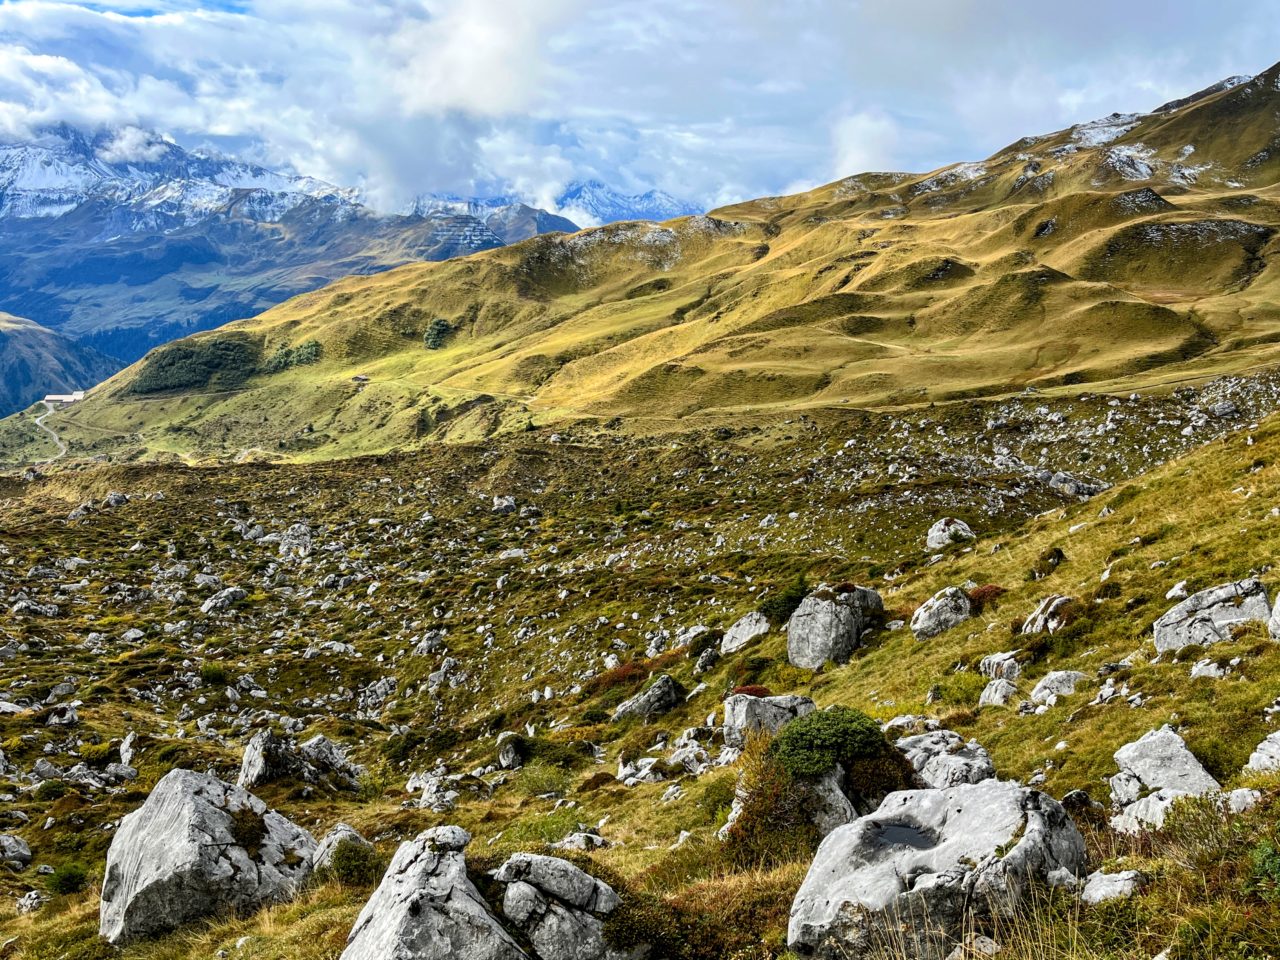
745 630
269 757
662 695
426 908
928 864
745 714
557 906
944 610
1101 887
342 833
947 531
198 847
1055 684
943 758
1049 616
1266 756
1207 617
828 625
1155 771
997 693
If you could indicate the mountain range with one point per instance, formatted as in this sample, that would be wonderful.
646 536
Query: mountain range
124 240
1131 251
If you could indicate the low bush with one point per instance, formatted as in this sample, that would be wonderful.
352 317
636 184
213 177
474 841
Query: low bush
67 878
779 605
810 746
355 864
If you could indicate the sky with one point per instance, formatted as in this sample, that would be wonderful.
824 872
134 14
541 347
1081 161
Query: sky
709 100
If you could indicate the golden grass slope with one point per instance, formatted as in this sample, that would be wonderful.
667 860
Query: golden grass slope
1135 251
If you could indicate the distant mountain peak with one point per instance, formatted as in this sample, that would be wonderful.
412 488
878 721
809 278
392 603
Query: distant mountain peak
592 202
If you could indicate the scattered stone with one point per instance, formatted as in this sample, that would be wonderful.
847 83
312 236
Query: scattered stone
745 630
947 531
944 610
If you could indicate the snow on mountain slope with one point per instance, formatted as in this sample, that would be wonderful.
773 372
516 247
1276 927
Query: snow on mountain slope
592 203
61 168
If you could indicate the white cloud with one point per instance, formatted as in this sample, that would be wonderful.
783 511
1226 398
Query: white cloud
863 142
133 145
711 99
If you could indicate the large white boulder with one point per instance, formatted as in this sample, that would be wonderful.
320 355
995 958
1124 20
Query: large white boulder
1206 618
947 531
943 758
557 906
1155 770
944 610
746 629
1266 756
828 625
1049 616
927 864
426 908
1055 684
745 714
198 847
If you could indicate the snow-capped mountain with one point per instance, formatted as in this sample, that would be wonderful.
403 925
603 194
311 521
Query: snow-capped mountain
153 183
584 202
124 240
509 218
591 202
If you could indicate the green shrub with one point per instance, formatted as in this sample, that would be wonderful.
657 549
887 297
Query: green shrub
780 605
438 332
355 865
97 754
810 746
540 777
51 790
67 878
213 674
1264 875
224 361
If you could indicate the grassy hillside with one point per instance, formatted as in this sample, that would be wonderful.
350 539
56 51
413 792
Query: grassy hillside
1137 251
639 541
35 362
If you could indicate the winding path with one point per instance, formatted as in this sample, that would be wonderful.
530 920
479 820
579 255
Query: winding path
62 447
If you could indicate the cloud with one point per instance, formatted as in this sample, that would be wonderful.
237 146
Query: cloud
715 100
133 145
866 141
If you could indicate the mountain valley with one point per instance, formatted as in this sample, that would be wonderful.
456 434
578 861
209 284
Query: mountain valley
880 572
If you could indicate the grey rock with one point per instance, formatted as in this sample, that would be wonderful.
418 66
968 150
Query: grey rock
997 693
1155 771
14 850
223 600
1048 616
1206 618
943 758
1266 756
662 695
1056 683
1001 666
927 865
1101 887
947 531
426 908
827 626
198 847
944 610
745 714
746 629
